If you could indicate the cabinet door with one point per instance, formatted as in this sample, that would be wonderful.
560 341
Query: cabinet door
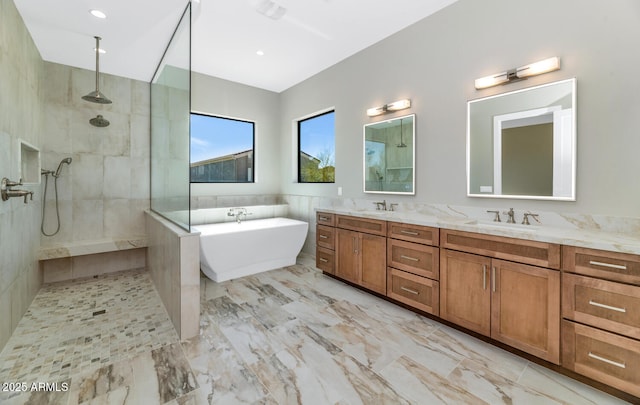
525 308
373 261
465 297
347 255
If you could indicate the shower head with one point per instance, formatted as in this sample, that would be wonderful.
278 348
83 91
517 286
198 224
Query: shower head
99 121
96 96
65 160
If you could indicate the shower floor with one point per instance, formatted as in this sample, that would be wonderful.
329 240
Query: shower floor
290 335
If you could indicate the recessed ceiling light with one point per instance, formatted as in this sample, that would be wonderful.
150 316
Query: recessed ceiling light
98 14
260 53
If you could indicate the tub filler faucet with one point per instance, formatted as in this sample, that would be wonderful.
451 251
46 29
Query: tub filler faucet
238 213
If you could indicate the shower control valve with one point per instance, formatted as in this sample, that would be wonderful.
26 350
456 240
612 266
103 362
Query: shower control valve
6 192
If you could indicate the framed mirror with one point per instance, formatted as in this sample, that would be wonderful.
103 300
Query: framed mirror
522 144
389 156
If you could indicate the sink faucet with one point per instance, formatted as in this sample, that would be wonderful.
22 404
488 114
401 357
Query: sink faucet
382 204
497 217
525 220
511 219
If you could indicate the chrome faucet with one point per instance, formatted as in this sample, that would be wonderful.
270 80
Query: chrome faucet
510 214
7 192
525 220
382 204
497 216
238 213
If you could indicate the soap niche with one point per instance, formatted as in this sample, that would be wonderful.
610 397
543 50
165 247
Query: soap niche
29 163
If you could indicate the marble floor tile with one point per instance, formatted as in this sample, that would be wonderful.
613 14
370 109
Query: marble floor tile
287 336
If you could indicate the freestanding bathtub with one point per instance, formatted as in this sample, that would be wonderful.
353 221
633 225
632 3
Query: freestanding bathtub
231 250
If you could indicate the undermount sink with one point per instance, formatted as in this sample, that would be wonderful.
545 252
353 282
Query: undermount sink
506 226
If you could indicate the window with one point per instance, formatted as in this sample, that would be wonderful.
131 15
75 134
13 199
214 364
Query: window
221 150
316 149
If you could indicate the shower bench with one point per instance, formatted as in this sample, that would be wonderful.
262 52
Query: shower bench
91 257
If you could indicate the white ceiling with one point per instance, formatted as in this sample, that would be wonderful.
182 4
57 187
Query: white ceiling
311 35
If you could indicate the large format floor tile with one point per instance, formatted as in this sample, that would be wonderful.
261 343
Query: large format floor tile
288 336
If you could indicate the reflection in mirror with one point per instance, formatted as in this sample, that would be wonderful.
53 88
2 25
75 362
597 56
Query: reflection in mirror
521 144
389 156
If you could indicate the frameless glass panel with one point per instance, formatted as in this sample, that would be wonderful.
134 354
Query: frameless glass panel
221 150
170 111
316 153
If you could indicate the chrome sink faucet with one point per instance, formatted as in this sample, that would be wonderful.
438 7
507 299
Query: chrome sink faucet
382 204
511 215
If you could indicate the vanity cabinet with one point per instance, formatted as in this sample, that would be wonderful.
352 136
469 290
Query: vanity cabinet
325 242
413 266
496 286
361 247
601 316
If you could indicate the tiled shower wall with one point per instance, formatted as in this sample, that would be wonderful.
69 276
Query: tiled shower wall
21 117
105 190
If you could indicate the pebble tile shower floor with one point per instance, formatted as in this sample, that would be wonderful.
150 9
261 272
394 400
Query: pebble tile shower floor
283 337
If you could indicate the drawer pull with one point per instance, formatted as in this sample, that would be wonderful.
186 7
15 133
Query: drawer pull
410 233
323 260
604 360
409 290
605 306
324 218
413 259
613 266
324 237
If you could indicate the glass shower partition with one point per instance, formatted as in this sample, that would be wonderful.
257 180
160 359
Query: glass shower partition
170 112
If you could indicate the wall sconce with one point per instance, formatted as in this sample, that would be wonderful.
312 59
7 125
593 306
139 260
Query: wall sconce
512 75
395 106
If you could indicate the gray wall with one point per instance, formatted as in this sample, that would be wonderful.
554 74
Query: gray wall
21 117
215 96
435 63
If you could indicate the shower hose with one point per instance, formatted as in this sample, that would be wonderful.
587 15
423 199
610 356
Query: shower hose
44 204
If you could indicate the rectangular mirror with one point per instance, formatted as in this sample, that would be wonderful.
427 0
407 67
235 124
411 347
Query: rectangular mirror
522 144
389 156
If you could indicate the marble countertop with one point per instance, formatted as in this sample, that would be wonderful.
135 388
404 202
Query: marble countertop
593 239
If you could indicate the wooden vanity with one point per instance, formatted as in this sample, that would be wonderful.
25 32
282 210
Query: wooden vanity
508 289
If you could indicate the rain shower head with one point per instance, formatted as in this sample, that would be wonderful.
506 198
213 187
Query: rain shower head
96 96
99 121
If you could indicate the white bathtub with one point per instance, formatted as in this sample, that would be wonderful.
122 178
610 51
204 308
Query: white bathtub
230 250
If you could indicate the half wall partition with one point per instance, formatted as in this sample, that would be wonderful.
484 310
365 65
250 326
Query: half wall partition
173 252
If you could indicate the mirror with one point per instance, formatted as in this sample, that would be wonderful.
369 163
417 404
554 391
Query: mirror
522 144
389 156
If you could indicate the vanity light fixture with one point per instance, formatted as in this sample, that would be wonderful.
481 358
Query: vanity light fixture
533 69
395 106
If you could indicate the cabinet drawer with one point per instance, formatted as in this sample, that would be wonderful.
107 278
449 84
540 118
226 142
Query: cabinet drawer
603 356
601 263
372 226
413 233
325 237
325 260
518 250
604 304
418 292
325 218
414 258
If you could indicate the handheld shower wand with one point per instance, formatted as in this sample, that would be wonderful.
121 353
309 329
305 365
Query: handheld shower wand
55 176
59 169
